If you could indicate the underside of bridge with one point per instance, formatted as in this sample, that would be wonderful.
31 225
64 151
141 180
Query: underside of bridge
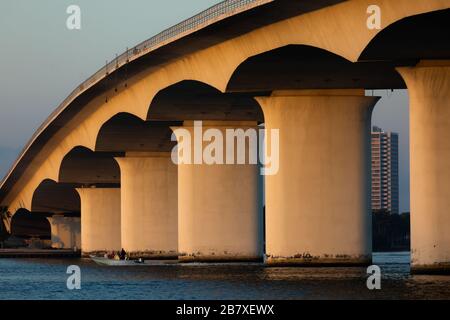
297 67
126 132
27 225
411 39
116 166
193 100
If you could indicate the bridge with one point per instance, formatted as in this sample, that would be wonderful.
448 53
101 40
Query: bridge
301 67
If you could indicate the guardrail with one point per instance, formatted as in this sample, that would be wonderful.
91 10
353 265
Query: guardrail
205 17
221 10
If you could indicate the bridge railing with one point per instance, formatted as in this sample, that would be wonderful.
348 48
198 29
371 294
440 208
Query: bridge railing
205 17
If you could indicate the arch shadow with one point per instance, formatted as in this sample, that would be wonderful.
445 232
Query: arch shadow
195 100
51 197
423 36
127 133
25 224
84 167
296 67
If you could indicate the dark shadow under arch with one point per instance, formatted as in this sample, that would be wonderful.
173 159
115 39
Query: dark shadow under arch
423 36
83 167
127 133
194 100
296 67
25 224
51 197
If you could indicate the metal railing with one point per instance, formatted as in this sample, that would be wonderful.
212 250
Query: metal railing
204 18
209 16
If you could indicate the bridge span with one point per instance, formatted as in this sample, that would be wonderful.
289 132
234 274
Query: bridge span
300 67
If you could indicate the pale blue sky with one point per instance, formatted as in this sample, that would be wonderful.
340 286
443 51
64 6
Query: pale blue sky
41 62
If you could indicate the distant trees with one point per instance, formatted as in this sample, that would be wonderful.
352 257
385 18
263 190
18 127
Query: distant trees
391 232
5 222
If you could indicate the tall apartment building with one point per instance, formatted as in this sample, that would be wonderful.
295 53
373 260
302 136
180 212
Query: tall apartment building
385 189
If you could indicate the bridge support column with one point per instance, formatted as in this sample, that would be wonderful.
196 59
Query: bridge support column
318 208
100 220
66 232
219 205
429 93
149 205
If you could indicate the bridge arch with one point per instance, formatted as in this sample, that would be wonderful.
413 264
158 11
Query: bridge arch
318 29
213 64
195 100
84 167
26 224
60 205
411 38
125 132
295 67
51 197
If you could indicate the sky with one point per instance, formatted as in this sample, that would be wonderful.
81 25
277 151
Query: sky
41 62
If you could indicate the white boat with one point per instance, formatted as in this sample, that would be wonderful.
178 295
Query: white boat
130 263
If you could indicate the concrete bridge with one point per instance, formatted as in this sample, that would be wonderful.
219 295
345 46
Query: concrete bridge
297 66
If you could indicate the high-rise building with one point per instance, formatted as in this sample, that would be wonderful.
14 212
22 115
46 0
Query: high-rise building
385 189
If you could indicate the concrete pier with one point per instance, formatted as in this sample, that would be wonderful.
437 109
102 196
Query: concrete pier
219 207
149 212
429 91
66 232
100 220
318 204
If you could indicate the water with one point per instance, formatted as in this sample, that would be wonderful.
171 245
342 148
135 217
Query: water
46 279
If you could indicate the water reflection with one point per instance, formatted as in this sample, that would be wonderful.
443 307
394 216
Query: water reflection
46 279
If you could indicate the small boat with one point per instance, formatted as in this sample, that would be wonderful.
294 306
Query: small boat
129 263
113 262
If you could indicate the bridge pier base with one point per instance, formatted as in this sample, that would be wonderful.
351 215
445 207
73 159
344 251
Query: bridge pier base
149 205
100 220
219 206
66 232
429 93
318 208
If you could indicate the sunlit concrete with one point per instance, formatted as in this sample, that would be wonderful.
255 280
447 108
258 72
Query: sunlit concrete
213 65
429 93
219 207
100 220
149 215
318 204
66 232
213 56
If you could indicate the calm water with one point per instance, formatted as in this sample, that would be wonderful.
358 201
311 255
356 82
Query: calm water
46 279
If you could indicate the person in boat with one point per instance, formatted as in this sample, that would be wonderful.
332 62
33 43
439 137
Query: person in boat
123 254
116 256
